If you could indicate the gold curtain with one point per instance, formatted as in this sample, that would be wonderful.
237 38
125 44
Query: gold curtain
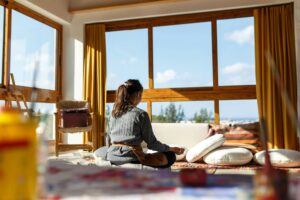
95 77
275 51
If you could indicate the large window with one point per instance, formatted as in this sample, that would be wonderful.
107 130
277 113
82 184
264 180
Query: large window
33 48
127 57
201 67
182 55
30 49
236 51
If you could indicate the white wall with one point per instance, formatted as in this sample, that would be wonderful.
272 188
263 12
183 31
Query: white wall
56 10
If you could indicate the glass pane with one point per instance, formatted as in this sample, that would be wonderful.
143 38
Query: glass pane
2 103
176 112
48 110
182 55
1 41
33 47
236 51
127 57
235 111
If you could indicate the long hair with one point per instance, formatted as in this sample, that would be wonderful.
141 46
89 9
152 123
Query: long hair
125 95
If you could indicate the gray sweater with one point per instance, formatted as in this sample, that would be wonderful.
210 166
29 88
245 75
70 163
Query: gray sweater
131 128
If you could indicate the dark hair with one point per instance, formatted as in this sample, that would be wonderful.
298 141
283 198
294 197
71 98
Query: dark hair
125 94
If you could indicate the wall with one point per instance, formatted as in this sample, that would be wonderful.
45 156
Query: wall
56 10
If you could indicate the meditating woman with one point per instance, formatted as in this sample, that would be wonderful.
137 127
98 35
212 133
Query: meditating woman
129 126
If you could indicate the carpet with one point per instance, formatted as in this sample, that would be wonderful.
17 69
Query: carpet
249 166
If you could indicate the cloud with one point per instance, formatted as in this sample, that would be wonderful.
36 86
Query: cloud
238 74
242 36
166 76
236 68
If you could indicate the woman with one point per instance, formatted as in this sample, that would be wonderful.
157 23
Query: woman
129 126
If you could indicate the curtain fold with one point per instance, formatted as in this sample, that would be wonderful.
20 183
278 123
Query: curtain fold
275 52
94 85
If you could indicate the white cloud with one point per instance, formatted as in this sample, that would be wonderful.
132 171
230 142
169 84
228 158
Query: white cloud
242 36
238 74
166 76
236 68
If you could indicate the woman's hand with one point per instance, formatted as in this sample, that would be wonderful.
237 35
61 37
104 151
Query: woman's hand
177 150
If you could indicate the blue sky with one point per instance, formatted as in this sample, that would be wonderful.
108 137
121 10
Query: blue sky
183 58
32 46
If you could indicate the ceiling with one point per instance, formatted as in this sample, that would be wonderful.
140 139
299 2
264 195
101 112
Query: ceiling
83 5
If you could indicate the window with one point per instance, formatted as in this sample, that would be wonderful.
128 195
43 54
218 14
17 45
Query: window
1 42
238 111
236 51
33 57
182 55
177 112
200 65
127 57
33 48
47 111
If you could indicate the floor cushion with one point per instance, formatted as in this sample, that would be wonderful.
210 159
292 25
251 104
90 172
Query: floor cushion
228 156
203 147
280 158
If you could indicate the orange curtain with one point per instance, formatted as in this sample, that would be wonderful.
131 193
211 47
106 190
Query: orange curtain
275 51
95 77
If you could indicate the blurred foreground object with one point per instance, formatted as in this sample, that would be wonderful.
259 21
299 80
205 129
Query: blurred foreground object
270 183
17 155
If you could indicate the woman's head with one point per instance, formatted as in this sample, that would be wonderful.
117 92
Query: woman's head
128 95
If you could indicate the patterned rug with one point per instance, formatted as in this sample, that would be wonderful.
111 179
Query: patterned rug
250 166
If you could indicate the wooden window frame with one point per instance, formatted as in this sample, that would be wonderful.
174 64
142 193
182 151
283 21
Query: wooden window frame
42 95
214 93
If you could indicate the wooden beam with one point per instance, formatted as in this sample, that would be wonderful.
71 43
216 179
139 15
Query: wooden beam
195 94
116 4
42 95
177 19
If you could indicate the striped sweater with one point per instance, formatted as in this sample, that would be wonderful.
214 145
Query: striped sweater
131 128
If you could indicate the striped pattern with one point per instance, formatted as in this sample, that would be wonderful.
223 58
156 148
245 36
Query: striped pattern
247 134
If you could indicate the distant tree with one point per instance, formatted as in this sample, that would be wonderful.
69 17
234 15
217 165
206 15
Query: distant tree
170 115
180 114
159 118
202 116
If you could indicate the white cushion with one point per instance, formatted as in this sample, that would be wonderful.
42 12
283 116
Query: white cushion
228 156
205 146
280 158
182 134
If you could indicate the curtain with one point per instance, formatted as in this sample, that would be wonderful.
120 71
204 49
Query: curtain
95 77
275 57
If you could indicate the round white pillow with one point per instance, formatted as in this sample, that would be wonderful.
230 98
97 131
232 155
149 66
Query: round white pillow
280 157
228 156
205 146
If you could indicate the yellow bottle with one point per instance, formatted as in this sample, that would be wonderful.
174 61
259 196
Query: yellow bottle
18 172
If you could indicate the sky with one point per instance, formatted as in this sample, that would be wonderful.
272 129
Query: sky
183 58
